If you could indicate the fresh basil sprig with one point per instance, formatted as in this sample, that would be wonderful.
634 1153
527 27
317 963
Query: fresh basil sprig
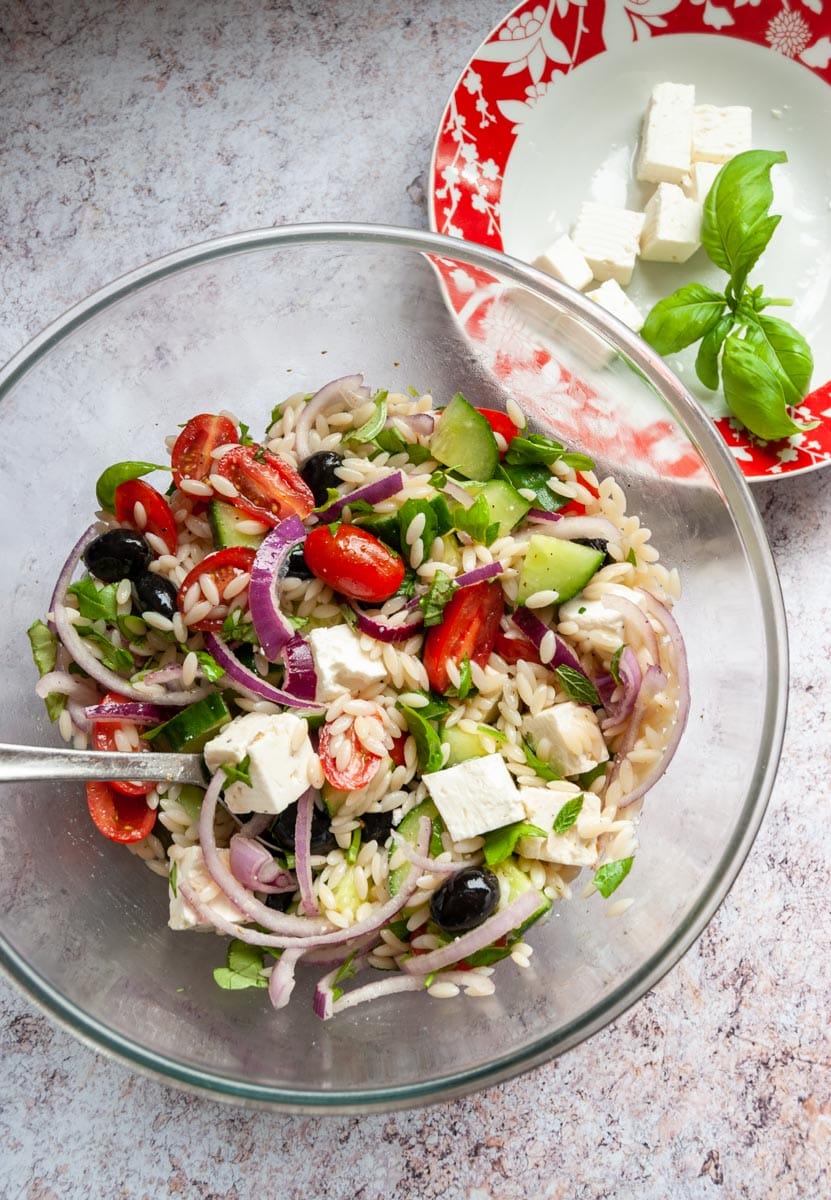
765 364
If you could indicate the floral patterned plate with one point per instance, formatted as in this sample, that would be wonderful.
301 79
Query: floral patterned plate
526 137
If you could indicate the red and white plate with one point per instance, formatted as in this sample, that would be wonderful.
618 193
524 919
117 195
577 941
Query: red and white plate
547 114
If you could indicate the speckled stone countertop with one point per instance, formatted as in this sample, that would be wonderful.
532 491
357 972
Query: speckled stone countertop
130 129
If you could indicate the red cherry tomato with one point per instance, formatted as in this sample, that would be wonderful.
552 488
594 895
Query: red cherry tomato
515 649
500 423
222 567
268 489
468 629
191 457
360 768
160 518
397 751
103 738
354 562
574 508
120 818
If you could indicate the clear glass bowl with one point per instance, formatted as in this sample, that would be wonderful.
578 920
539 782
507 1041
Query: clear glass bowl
240 323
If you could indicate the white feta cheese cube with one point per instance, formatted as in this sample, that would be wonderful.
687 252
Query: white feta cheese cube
667 134
701 178
278 760
611 296
567 736
341 662
571 848
608 238
719 134
191 870
592 616
672 230
564 261
475 796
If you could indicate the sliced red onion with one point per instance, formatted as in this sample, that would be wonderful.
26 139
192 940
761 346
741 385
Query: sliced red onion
138 713
541 515
619 711
426 864
373 991
455 491
372 493
255 825
479 574
421 423
535 629
250 862
572 528
634 617
302 851
64 684
377 627
300 679
329 395
273 629
247 683
501 923
78 716
281 981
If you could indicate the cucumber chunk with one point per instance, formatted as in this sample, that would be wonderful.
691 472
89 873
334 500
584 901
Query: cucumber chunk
507 507
408 831
223 521
553 564
464 441
464 745
194 726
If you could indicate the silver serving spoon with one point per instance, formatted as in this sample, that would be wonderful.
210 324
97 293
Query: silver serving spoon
20 763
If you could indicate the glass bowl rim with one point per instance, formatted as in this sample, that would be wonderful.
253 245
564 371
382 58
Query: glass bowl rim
737 497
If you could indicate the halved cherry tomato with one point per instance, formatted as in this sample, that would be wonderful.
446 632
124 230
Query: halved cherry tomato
268 489
191 457
358 771
160 518
103 738
119 818
515 649
223 566
354 562
500 423
468 629
397 751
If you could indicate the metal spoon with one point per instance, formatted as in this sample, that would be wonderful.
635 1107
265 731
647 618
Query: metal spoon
19 763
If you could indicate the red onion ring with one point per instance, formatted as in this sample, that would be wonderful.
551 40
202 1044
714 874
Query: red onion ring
139 714
541 515
426 864
300 679
249 861
372 493
247 683
502 922
324 399
455 491
281 981
619 711
572 528
478 574
535 629
272 628
378 629
302 851
634 617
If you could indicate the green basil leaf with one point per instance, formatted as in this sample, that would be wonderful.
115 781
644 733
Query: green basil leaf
786 352
435 707
44 646
441 511
211 669
391 441
475 521
754 392
417 453
465 681
682 318
614 665
631 557
114 657
706 362
577 687
501 843
539 480
736 226
428 742
434 602
120 473
578 462
539 766
244 969
94 602
534 450
245 437
611 875
372 427
568 814
408 511
234 629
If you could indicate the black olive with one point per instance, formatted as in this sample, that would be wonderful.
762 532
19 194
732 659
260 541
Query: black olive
465 900
319 473
281 832
154 593
594 544
297 566
377 826
279 900
117 554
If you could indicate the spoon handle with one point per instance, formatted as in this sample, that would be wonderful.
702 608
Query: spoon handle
18 763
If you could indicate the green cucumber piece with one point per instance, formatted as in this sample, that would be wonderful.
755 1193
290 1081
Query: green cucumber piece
223 521
507 507
464 441
408 831
464 745
385 528
560 566
194 726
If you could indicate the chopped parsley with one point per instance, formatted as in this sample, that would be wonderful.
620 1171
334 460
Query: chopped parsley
433 603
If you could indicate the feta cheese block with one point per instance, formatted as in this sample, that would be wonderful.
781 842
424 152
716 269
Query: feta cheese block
608 238
541 807
592 616
475 796
567 736
191 870
672 229
719 134
667 134
341 662
701 178
279 751
611 296
564 261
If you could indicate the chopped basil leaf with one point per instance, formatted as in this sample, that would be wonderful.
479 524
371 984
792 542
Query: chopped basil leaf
588 777
211 669
614 665
116 658
173 877
120 473
439 594
94 602
44 645
131 627
408 584
300 622
245 434
417 453
244 969
438 479
436 706
238 772
234 629
632 557
441 511
372 427
568 814
539 480
611 875
399 929
358 508
578 462
408 512
534 450
496 734
475 521
465 680
349 615
501 843
541 768
576 686
391 441
428 742
55 704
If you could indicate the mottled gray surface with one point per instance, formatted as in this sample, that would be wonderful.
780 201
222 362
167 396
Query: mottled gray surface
129 129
